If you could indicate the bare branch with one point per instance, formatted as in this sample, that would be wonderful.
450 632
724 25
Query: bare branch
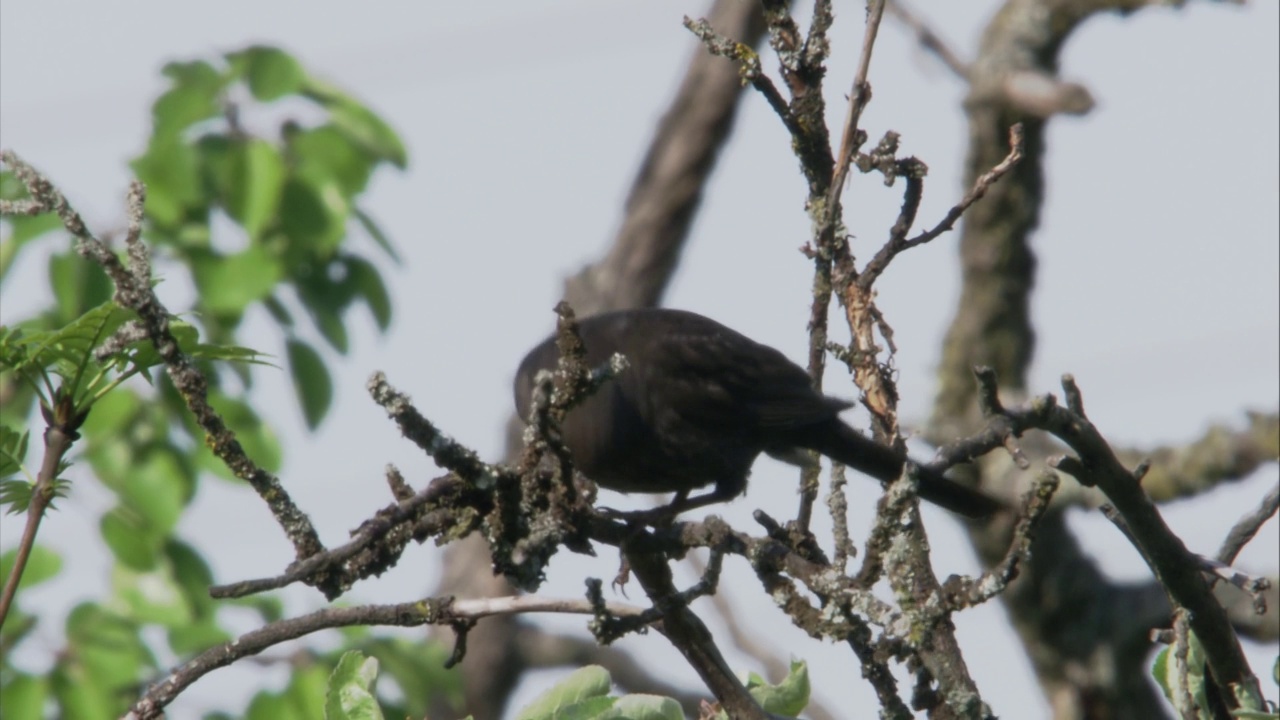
133 290
967 592
928 39
859 96
979 189
410 614
1173 565
1246 527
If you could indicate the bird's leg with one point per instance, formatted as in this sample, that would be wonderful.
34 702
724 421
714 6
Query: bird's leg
660 516
666 514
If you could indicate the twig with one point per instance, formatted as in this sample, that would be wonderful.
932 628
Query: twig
922 599
58 438
447 452
859 96
749 68
690 636
133 290
898 240
1255 586
747 642
430 611
928 39
980 186
1182 698
838 505
1246 527
880 393
344 561
967 592
1174 566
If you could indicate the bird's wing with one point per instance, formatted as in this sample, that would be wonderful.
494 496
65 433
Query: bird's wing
732 379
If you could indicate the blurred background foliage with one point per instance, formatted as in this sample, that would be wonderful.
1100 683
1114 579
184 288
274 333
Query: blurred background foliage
254 172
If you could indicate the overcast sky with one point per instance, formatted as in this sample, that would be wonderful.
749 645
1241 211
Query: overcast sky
1159 251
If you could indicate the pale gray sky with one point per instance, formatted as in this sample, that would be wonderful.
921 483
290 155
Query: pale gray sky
1159 249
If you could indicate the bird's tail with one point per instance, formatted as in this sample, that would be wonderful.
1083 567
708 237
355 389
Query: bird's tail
842 443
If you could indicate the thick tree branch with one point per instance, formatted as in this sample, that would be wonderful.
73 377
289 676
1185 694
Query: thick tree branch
992 327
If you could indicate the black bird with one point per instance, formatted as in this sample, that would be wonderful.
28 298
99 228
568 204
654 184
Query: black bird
698 403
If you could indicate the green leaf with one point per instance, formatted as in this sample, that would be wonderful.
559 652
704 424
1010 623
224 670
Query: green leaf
42 564
15 495
108 646
196 637
17 626
325 300
192 577
326 154
143 354
79 337
193 97
79 694
130 539
78 285
306 691
359 123
789 697
1160 671
259 175
350 692
311 381
375 232
171 170
270 72
231 353
587 682
23 696
150 597
330 324
158 488
30 227
272 706
13 450
24 230
303 699
229 284
112 453
638 706
114 411
1168 672
68 350
367 283
216 157
368 130
13 351
410 664
279 312
313 216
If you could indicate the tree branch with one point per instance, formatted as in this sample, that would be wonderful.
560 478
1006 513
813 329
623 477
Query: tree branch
410 614
133 290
